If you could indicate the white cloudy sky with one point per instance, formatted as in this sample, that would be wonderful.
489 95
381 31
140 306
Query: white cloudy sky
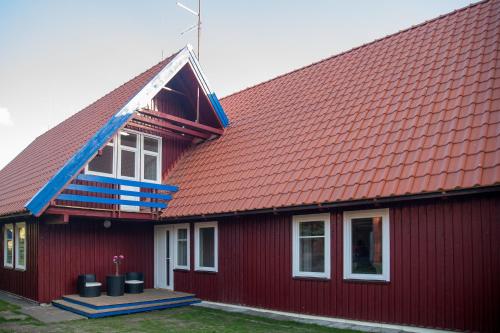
58 56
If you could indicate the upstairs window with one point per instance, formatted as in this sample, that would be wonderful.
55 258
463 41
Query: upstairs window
8 245
103 162
151 163
311 245
130 155
366 245
20 245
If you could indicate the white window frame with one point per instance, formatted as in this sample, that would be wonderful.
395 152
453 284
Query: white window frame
176 247
358 214
151 153
296 221
136 150
197 228
16 244
104 174
5 228
140 152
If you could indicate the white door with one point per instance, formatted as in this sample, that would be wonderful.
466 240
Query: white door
164 256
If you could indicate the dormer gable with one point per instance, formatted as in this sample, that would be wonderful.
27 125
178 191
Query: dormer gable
177 101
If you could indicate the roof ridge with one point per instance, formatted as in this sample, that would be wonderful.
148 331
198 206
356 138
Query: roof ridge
359 47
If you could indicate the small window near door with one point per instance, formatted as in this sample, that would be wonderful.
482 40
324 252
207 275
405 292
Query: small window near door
103 162
182 246
20 245
366 245
8 245
206 246
311 245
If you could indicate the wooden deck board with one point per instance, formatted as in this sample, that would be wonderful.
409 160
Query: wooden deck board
148 295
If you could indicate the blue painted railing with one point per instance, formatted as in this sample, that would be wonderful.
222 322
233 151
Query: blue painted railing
156 200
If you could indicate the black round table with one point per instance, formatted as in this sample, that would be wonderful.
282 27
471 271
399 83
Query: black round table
115 285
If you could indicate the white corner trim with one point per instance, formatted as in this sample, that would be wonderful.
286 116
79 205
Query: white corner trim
348 216
320 320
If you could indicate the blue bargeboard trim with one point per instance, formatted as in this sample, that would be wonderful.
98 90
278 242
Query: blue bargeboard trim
110 201
75 163
123 312
210 94
112 191
41 199
114 306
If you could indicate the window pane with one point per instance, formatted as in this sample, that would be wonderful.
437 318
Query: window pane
129 140
182 234
21 245
312 254
128 163
10 245
367 245
207 241
182 252
150 144
150 167
316 228
104 162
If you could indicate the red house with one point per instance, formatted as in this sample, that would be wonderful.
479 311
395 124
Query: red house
364 186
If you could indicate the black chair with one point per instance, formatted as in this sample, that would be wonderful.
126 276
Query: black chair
134 283
88 286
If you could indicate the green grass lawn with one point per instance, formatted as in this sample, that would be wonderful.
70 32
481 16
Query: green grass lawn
186 319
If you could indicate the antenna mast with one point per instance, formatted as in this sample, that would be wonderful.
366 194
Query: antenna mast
197 25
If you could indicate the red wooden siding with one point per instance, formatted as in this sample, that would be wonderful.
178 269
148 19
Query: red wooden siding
445 268
85 246
172 149
22 282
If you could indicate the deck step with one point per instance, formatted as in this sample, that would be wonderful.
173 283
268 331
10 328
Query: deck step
149 296
127 309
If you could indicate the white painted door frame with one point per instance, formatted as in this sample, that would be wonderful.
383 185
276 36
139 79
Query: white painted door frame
163 257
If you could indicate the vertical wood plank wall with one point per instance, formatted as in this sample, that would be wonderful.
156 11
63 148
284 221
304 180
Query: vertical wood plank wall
445 268
22 282
85 246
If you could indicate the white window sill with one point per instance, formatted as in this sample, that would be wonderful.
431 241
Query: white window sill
311 278
312 275
205 270
367 277
182 268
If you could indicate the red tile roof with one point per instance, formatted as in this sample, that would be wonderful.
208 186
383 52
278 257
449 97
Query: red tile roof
418 111
36 164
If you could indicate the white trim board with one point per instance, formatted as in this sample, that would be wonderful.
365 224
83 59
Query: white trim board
318 320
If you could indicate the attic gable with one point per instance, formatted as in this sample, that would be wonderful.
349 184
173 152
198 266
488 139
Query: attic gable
140 102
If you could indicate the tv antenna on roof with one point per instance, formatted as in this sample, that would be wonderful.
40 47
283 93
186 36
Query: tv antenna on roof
197 25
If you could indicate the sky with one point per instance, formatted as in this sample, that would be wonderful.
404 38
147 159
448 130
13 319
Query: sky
58 56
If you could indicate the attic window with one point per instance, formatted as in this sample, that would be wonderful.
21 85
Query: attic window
102 163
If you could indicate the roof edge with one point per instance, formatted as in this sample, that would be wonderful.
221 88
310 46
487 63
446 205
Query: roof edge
344 204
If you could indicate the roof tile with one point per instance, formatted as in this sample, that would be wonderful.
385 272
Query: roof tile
418 111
